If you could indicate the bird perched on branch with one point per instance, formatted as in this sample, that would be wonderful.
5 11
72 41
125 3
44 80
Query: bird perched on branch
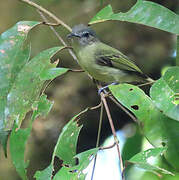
101 61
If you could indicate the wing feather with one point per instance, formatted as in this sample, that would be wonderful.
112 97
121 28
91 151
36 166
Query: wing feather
114 58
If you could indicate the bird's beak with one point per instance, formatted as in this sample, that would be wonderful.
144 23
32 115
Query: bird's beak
69 36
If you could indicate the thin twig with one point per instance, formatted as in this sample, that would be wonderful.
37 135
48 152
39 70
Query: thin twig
51 15
58 36
103 99
113 129
108 147
96 107
123 108
48 23
76 70
98 137
144 84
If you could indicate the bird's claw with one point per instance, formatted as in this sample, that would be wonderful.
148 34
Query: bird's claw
100 90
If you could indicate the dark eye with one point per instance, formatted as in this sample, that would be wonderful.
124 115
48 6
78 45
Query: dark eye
86 34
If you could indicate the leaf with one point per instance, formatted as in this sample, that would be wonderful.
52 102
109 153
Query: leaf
13 56
165 93
27 87
3 140
52 73
18 140
143 12
41 107
159 129
65 148
68 140
132 146
19 137
144 160
177 55
77 172
45 174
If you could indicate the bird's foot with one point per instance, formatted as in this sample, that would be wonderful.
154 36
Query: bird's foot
103 89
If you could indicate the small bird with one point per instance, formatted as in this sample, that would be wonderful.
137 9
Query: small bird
101 61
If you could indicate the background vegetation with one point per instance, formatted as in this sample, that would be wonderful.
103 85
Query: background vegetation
151 49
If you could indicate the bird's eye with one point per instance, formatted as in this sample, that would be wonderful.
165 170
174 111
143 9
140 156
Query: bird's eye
86 34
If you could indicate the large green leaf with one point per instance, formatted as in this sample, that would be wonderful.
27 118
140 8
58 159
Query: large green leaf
68 138
19 137
165 93
77 172
65 148
27 87
13 56
145 160
177 52
143 12
159 129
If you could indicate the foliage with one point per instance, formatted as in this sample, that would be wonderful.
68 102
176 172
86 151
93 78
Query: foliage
23 81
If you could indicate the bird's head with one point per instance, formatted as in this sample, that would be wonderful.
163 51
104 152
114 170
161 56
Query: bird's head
83 35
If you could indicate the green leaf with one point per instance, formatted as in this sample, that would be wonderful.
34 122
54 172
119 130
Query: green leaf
19 137
145 160
52 73
65 148
3 140
132 146
27 87
143 12
165 93
68 140
45 174
77 172
18 140
41 107
13 56
159 129
177 56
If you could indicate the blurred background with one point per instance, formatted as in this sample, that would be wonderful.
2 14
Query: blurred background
151 49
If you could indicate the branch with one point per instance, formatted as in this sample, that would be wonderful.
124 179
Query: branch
108 147
103 99
96 107
113 129
51 15
58 36
98 137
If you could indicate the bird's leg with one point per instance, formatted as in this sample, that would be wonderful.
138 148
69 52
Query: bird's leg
103 89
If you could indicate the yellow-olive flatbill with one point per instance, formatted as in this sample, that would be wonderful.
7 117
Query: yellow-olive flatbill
104 63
